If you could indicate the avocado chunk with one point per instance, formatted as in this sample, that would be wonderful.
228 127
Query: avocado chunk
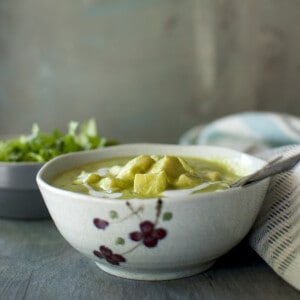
138 165
171 165
93 178
187 181
115 170
213 175
187 167
111 184
150 184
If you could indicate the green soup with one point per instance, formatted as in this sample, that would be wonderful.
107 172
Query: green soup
146 176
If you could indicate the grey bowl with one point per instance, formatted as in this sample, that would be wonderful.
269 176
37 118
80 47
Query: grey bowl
19 194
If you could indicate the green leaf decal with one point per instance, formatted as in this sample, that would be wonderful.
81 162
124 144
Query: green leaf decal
113 214
167 216
120 241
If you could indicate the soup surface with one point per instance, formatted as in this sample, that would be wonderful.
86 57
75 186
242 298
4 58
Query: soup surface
147 176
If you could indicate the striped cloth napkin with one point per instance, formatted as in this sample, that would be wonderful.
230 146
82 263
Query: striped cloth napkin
275 235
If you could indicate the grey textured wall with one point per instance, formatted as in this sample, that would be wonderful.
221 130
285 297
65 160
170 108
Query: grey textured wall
147 70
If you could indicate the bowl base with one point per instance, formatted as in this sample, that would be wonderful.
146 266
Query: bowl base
155 275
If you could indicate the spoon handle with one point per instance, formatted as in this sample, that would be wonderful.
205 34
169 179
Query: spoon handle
273 167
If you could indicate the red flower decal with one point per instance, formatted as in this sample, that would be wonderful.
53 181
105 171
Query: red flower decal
100 224
148 234
109 256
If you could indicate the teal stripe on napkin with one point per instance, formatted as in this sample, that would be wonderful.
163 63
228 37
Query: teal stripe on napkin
264 129
267 129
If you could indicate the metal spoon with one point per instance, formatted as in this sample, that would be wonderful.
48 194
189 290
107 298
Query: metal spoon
273 167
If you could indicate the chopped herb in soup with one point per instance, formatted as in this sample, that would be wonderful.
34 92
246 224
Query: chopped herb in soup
147 176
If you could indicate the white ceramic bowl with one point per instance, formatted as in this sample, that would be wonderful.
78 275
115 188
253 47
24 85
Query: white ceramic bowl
152 239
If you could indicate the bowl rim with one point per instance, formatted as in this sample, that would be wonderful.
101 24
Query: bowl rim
20 163
70 194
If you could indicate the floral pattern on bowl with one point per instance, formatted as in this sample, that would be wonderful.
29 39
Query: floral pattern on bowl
148 235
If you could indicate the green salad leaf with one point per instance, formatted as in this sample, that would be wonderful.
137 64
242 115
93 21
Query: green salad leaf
41 147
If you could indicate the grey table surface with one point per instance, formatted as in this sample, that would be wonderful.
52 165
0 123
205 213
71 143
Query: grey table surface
37 263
